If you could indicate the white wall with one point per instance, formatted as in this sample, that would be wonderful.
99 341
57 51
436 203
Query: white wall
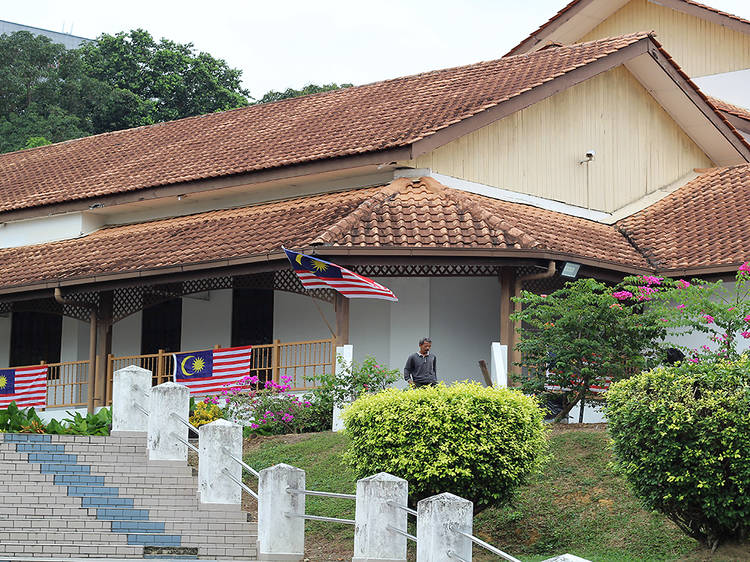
410 319
464 321
206 323
75 340
369 321
295 318
126 336
5 326
732 87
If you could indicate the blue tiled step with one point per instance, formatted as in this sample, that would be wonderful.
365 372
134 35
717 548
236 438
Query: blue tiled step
40 447
155 540
92 491
109 514
137 527
27 437
76 479
58 468
105 501
53 457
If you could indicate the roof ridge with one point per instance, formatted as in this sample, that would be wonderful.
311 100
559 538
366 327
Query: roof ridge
511 234
334 231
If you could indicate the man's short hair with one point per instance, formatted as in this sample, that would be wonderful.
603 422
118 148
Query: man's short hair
424 340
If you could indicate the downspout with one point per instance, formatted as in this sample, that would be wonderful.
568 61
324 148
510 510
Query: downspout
92 345
551 270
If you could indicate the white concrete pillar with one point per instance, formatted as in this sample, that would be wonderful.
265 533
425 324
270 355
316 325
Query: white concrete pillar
213 484
167 399
373 542
130 386
281 536
499 364
437 517
344 359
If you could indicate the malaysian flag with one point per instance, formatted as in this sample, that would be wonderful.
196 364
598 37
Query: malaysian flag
26 385
210 371
315 273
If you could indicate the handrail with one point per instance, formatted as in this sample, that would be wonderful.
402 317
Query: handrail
181 440
401 507
247 467
229 475
320 518
326 494
401 532
483 544
183 421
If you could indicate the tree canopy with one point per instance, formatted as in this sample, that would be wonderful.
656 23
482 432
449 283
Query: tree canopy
50 94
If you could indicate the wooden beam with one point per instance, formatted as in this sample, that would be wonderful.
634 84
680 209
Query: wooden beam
507 282
103 347
342 320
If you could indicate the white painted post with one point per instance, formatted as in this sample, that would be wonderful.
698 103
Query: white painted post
436 518
499 364
344 360
281 535
130 386
166 399
373 541
213 484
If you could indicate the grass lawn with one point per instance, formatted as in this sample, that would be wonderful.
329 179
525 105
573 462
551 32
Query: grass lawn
578 505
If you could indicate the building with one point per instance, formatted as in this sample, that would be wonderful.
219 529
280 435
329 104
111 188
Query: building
455 188
66 39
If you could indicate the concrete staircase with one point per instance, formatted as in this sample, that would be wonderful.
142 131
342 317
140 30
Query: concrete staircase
68 496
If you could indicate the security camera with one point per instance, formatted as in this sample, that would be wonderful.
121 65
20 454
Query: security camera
590 154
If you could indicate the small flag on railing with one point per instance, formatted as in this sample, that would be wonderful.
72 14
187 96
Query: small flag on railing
26 385
210 371
315 273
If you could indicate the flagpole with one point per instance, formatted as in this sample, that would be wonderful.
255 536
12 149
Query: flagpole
323 316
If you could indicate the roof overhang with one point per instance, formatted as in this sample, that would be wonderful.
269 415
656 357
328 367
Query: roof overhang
581 16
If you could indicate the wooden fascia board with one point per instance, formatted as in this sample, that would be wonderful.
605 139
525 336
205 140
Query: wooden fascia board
708 110
706 14
210 184
738 123
526 99
539 36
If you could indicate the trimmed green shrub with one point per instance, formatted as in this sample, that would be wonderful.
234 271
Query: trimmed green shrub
681 436
478 443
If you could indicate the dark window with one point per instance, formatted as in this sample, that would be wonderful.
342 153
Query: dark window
161 327
35 337
252 317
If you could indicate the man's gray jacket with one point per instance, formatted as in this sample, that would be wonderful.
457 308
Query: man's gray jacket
421 368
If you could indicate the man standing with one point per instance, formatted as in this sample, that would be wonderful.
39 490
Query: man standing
421 367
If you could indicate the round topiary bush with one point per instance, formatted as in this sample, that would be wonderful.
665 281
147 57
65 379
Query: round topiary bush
478 443
682 439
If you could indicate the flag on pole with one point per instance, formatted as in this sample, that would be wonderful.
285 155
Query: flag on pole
26 385
209 371
315 273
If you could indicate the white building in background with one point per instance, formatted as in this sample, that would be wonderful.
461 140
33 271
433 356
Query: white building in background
70 41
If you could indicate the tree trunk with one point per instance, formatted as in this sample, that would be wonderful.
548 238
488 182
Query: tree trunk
580 413
568 407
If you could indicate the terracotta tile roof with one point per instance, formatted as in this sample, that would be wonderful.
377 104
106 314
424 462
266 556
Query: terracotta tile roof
358 120
727 107
404 214
704 224
539 31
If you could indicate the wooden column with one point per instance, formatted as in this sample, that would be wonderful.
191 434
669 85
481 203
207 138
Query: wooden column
342 319
103 347
507 327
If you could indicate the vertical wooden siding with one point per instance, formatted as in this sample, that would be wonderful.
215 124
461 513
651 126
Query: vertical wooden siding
699 46
639 148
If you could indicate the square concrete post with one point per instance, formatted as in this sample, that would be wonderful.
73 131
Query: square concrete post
437 519
344 361
499 364
213 484
373 541
130 386
281 535
167 399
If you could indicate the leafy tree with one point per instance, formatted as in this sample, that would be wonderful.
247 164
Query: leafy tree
581 337
307 90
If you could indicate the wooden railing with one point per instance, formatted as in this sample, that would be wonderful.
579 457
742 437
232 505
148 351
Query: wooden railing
67 384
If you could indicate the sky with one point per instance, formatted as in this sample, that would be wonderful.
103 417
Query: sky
290 43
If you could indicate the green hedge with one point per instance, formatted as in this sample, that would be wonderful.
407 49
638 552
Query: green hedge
478 443
681 437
